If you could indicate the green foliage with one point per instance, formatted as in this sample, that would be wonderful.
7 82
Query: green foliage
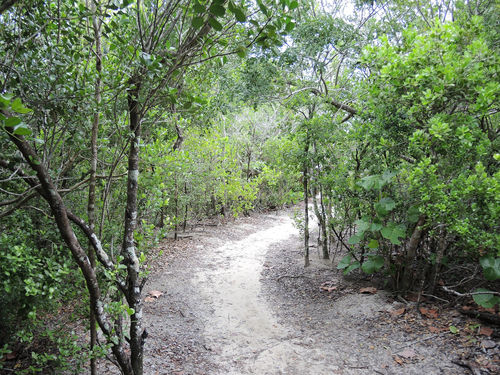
484 298
491 267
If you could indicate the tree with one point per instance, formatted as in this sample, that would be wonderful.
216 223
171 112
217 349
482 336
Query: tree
149 47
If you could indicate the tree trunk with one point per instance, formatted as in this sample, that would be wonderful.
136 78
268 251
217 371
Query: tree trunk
129 253
306 202
93 170
320 214
407 276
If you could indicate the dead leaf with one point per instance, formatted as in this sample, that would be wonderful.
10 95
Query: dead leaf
149 299
429 313
487 331
413 297
398 360
368 290
407 353
155 293
437 329
398 312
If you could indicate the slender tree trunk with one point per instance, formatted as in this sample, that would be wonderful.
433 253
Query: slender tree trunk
442 246
176 208
93 170
306 201
129 253
407 276
184 223
320 214
323 223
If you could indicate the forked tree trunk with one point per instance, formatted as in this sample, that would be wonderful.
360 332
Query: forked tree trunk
320 214
43 184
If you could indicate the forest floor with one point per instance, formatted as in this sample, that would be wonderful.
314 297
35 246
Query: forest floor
236 299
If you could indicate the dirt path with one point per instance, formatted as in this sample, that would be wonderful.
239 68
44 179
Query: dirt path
238 301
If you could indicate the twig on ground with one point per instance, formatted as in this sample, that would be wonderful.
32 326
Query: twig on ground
473 369
447 289
418 341
436 297
291 277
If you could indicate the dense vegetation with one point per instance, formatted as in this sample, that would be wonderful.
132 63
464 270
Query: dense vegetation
122 122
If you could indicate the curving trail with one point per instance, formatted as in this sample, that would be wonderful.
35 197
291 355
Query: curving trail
223 311
251 339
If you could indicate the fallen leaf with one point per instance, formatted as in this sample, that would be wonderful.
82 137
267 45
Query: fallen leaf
149 299
328 288
429 313
155 293
398 312
466 308
407 353
368 290
398 360
487 331
437 329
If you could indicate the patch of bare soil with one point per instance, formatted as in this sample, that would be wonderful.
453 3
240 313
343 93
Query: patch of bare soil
236 299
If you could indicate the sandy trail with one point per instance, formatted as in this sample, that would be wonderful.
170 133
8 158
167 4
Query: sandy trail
227 311
250 337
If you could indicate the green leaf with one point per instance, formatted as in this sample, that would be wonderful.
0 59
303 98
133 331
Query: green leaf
372 264
413 214
362 225
18 106
491 267
387 176
289 26
263 8
238 13
485 300
215 24
11 122
487 261
22 129
4 101
352 267
373 244
344 262
293 5
130 311
392 232
384 206
198 8
491 274
217 10
353 240
376 225
241 52
453 330
370 182
197 22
